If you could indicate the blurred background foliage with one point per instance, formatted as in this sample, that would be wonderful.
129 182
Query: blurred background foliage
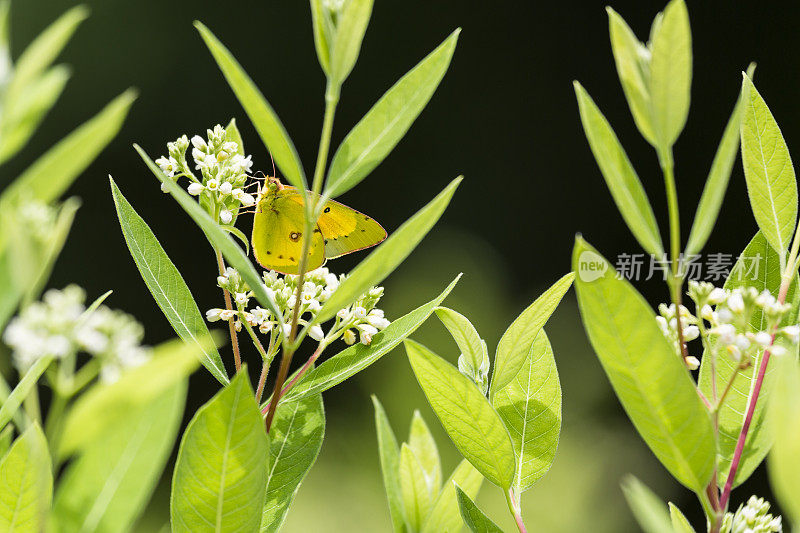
505 117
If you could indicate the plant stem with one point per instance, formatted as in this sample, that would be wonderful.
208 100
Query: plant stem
302 372
237 359
331 100
513 507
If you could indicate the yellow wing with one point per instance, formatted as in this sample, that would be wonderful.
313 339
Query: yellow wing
344 229
277 236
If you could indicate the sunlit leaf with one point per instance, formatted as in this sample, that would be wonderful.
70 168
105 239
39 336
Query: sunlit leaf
621 178
648 376
220 475
371 140
466 415
417 496
390 466
466 336
649 510
165 283
261 114
324 33
784 460
26 483
768 170
422 444
679 522
23 388
445 515
350 28
476 520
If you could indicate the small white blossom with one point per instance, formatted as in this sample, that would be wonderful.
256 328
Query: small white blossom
212 184
316 333
226 188
225 216
195 189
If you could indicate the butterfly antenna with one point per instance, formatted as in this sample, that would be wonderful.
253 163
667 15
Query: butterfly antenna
274 172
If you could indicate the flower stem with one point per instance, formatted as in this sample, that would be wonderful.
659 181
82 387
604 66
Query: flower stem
513 507
331 100
237 359
302 372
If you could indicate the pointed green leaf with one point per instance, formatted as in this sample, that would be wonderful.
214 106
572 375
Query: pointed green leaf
54 172
350 29
476 520
679 522
103 405
648 376
621 178
295 440
388 255
356 358
26 483
767 276
649 510
630 56
374 137
465 335
422 444
784 460
165 283
717 181
107 488
261 114
671 73
217 236
390 466
768 170
324 32
516 342
23 388
7 433
466 415
220 475
530 407
417 497
445 515
41 53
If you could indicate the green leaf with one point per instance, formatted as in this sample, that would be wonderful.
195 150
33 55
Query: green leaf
784 460
165 283
388 255
217 236
7 433
261 114
374 137
466 415
514 345
296 438
647 374
23 388
671 73
422 444
107 487
732 412
466 336
324 33
239 234
445 515
26 483
717 181
530 407
649 510
356 358
18 124
621 178
417 497
41 53
390 466
476 520
220 475
679 522
350 28
54 172
630 57
768 170
99 408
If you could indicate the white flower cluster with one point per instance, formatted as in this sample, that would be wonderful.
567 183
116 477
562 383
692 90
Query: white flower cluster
359 320
752 518
38 219
223 171
58 326
668 322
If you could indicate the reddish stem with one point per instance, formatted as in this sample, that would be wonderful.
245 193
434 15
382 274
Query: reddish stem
295 379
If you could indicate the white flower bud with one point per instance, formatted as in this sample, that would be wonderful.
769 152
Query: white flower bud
199 143
226 314
717 296
367 328
287 330
692 362
763 338
164 188
707 313
212 184
225 216
724 315
316 333
735 302
777 351
241 298
343 313
690 333
212 315
726 333
793 332
734 353
378 322
366 338
195 188
349 337
360 313
226 188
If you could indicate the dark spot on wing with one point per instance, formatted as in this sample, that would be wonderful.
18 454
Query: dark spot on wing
327 210
363 230
316 230
366 217
280 257
295 236
326 241
269 253
291 259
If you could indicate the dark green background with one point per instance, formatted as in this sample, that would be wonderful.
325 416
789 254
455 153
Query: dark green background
505 117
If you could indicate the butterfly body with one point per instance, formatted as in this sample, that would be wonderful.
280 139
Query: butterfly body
279 224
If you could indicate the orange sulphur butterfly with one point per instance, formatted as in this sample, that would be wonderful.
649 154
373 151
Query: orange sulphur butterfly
279 223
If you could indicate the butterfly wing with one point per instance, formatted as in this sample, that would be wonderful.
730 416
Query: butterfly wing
277 240
345 230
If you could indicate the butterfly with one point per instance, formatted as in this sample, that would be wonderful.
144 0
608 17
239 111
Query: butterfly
279 222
